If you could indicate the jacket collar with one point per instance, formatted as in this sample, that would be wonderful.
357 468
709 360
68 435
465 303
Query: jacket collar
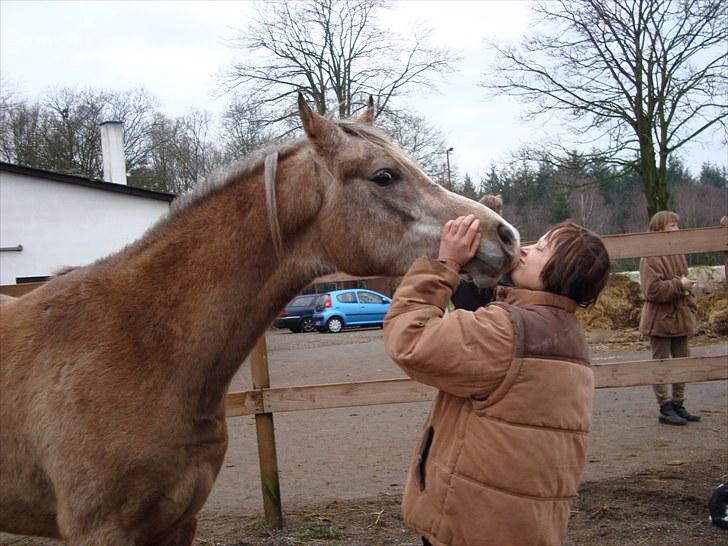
522 296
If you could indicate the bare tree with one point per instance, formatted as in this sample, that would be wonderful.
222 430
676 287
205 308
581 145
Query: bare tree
21 133
334 52
196 155
61 132
588 208
243 127
422 141
650 75
71 141
136 109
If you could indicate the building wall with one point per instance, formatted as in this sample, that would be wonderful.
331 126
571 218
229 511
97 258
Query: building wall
61 224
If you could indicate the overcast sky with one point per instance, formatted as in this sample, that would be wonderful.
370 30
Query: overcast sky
174 49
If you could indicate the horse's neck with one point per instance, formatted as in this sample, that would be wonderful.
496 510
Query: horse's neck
209 282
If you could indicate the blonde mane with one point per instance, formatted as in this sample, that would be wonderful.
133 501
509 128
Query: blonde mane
268 158
271 167
223 176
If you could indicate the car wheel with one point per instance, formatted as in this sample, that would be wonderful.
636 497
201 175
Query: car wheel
334 325
307 325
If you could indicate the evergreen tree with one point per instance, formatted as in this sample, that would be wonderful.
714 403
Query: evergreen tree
714 175
560 210
468 188
677 173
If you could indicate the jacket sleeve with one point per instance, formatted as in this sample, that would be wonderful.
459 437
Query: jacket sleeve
464 353
655 284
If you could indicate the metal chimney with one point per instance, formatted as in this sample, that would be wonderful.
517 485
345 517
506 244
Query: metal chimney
112 150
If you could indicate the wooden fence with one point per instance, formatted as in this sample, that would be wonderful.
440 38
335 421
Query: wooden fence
263 400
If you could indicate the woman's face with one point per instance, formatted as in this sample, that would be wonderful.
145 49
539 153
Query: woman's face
533 258
672 226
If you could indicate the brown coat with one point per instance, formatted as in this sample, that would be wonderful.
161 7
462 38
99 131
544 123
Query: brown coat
669 310
504 445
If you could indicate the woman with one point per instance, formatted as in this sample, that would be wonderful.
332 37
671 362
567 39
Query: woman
505 442
668 316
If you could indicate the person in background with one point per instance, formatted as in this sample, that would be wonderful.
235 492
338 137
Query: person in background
493 202
505 443
668 316
468 296
724 223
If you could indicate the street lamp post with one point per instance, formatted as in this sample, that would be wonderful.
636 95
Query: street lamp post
447 156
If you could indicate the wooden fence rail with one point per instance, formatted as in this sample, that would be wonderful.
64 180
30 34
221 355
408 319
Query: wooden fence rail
399 391
665 243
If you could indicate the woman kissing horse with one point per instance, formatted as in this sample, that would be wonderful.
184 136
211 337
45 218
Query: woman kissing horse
114 375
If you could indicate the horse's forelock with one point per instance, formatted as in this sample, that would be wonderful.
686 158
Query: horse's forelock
380 139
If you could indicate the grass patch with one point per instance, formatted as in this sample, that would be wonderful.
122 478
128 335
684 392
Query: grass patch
319 530
258 524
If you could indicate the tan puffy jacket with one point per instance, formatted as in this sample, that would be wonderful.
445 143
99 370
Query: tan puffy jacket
505 443
669 310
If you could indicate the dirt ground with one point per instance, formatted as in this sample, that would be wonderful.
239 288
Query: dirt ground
342 471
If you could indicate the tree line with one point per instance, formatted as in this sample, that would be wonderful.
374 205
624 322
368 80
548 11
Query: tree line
60 132
538 194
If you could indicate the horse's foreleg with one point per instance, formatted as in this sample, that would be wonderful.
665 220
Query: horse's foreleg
183 535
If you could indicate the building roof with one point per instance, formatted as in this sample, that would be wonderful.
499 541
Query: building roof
84 181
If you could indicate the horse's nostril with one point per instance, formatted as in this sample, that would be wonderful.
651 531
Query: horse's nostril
506 235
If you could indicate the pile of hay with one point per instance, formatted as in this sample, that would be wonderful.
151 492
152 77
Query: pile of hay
620 304
713 312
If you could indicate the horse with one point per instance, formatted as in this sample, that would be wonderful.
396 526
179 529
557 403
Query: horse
114 374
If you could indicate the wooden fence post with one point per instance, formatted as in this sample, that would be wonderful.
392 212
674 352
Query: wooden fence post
266 440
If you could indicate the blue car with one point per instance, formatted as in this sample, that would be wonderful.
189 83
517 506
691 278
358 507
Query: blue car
348 308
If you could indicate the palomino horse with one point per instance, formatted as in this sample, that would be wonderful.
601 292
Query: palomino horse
114 375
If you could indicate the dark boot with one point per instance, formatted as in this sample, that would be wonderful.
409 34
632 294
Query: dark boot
669 417
685 414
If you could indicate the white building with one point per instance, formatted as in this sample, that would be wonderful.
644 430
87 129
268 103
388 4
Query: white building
49 220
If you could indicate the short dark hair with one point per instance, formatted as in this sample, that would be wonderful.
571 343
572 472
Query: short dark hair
579 265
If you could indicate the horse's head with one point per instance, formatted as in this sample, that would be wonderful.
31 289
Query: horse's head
380 211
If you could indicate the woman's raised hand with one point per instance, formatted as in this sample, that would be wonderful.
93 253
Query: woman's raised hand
460 239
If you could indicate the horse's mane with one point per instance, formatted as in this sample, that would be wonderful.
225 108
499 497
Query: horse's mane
267 157
223 176
228 174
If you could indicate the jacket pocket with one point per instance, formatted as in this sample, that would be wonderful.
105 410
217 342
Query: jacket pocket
422 454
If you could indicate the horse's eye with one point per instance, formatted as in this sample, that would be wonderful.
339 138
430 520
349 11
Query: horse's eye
384 177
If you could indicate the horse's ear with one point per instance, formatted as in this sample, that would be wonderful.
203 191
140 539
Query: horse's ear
367 117
325 135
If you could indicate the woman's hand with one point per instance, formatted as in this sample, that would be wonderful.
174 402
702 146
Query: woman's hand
460 240
687 284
